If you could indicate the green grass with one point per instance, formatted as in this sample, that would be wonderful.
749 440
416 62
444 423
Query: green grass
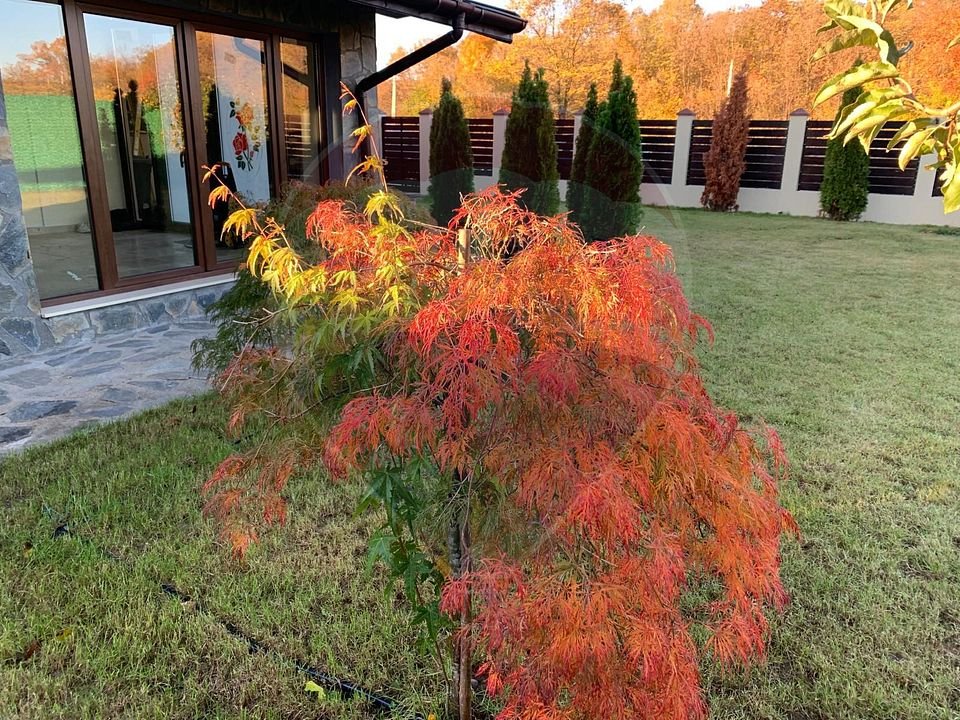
846 337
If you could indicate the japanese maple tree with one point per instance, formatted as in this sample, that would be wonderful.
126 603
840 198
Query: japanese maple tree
533 423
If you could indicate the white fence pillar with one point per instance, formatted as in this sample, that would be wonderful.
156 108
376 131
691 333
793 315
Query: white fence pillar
577 124
426 122
793 155
499 137
681 148
926 178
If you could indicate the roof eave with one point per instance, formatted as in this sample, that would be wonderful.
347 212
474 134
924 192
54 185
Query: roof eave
486 20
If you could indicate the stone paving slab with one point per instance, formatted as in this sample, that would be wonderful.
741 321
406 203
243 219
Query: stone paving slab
50 394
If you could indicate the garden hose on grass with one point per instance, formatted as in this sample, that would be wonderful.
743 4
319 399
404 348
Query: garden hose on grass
347 690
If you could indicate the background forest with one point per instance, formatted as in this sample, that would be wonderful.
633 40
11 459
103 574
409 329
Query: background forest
678 56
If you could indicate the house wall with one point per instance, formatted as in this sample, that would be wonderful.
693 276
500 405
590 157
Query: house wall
24 326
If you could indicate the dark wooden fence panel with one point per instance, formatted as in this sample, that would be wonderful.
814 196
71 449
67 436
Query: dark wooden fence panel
885 175
401 152
814 151
481 144
658 140
565 139
766 149
699 144
886 178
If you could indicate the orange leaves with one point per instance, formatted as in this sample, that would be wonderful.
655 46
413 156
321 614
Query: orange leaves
566 373
560 381
738 635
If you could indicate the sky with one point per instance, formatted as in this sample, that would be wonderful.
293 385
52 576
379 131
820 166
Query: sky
23 23
407 32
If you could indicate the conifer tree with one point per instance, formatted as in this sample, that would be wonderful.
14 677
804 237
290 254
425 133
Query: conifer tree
451 159
530 146
578 172
611 189
725 161
846 173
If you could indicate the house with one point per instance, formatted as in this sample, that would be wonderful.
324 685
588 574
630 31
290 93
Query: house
110 110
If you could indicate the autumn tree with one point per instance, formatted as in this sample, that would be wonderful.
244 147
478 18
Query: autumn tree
725 161
451 159
557 486
614 166
845 190
575 41
584 141
529 160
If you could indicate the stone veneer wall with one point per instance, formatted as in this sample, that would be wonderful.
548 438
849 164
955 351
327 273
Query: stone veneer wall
83 326
358 58
22 330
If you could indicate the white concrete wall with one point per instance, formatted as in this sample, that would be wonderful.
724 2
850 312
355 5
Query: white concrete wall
921 208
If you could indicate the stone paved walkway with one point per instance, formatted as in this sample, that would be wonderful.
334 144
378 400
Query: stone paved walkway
50 394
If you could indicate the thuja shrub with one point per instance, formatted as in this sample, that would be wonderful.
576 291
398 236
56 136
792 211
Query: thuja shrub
611 192
451 159
725 161
845 190
529 160
562 498
578 170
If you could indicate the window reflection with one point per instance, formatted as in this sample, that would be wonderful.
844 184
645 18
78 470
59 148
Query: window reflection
301 120
42 118
140 117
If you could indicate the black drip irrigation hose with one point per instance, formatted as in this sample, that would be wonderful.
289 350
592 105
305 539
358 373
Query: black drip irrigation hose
347 690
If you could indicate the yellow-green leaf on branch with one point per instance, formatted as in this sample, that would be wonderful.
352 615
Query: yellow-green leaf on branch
852 38
914 146
882 38
855 77
908 129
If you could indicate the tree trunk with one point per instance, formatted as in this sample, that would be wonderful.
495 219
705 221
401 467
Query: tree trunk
460 700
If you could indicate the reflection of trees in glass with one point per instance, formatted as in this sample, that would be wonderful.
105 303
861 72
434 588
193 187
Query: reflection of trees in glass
45 70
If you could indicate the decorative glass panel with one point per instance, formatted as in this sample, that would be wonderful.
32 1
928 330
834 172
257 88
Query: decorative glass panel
233 83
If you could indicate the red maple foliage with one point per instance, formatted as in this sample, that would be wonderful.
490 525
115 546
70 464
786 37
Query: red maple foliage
621 524
561 382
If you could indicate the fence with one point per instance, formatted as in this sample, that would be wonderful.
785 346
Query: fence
784 164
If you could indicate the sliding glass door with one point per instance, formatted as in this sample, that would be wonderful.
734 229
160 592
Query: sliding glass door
140 124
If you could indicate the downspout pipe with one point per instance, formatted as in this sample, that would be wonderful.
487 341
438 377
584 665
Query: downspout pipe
408 61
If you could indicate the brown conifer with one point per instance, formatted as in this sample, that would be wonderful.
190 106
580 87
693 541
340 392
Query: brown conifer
725 161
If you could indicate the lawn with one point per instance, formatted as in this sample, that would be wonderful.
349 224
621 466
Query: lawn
845 337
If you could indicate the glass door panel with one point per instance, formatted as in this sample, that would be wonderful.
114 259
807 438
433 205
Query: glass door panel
42 118
140 117
233 86
301 109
